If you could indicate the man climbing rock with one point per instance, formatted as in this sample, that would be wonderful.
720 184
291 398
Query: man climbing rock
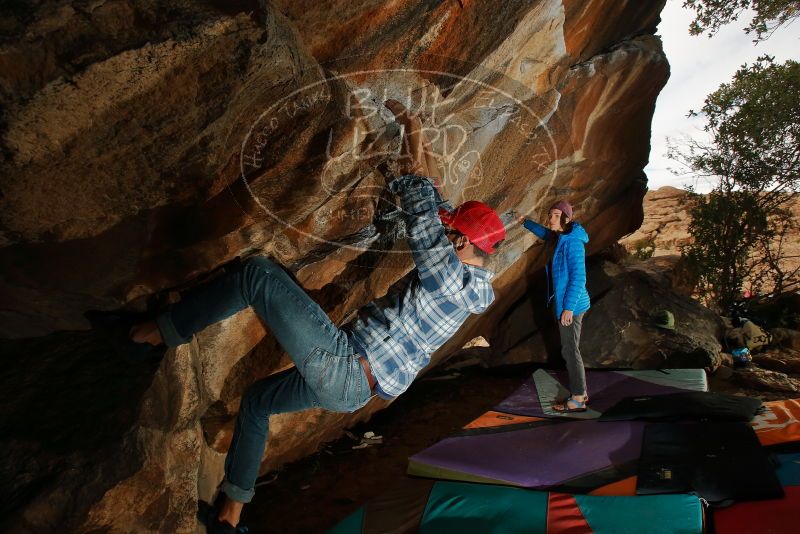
341 368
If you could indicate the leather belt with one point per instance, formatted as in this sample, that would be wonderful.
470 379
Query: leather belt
367 371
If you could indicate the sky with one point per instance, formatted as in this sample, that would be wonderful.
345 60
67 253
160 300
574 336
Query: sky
698 66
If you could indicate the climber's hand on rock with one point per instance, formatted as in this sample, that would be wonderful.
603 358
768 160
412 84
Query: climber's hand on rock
399 110
409 182
412 123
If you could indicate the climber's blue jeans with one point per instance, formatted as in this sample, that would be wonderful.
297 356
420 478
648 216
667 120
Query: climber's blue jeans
327 373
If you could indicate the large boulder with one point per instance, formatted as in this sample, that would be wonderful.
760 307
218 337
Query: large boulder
619 330
781 360
786 337
145 144
136 163
754 377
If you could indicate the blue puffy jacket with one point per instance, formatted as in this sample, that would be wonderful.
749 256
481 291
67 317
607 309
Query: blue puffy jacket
569 268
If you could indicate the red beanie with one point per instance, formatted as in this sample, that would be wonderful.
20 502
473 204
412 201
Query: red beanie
478 222
564 206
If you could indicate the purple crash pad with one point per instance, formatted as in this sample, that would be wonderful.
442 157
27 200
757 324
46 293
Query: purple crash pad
605 388
534 457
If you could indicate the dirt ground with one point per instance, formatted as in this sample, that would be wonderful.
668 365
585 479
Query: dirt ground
317 492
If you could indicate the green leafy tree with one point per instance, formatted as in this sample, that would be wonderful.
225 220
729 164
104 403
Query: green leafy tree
769 15
753 160
725 228
772 265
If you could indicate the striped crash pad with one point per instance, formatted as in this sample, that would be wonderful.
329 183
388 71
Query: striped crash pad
779 424
778 429
441 507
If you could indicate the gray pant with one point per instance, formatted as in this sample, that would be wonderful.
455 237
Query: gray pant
571 352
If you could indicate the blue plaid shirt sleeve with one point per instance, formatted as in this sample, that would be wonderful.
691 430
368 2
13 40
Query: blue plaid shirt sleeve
438 267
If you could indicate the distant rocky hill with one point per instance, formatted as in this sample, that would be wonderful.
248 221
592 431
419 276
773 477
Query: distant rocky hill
666 223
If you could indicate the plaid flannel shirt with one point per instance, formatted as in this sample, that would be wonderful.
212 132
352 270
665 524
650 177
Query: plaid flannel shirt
399 332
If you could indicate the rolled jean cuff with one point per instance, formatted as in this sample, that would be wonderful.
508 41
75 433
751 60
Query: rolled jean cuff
236 493
169 333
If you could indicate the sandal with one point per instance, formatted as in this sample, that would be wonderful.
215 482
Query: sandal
570 406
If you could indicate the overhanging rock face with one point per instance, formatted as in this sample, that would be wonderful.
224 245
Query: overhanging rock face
146 143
